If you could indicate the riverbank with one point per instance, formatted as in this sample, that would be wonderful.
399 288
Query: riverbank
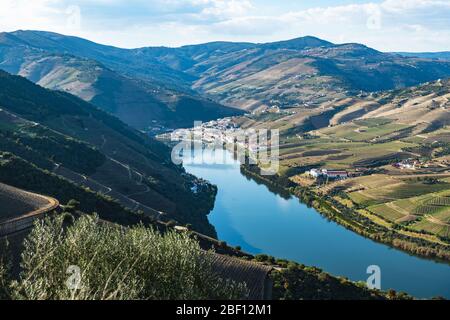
353 220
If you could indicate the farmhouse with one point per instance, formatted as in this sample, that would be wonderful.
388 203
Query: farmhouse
330 174
315 173
407 164
335 174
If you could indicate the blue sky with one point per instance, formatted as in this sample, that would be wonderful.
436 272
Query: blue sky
388 25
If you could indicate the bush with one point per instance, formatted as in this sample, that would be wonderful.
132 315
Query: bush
4 269
265 258
116 263
4 294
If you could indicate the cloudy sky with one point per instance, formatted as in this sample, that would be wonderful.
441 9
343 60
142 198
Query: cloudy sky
388 25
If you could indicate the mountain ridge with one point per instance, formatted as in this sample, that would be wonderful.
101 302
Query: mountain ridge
140 103
304 71
444 55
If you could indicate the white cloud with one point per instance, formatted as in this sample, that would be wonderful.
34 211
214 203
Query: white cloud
225 8
390 25
36 14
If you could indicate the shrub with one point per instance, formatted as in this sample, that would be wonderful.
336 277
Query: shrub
265 258
116 263
223 244
3 281
261 257
4 268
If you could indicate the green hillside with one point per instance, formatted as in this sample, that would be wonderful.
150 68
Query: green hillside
54 133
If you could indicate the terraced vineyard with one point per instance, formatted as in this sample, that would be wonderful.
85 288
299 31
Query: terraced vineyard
15 202
360 133
430 211
435 228
386 212
443 215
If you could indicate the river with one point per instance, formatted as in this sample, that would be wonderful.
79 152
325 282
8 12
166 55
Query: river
249 215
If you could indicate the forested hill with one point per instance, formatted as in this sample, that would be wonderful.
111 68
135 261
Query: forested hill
56 144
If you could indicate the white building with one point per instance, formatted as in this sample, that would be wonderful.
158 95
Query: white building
331 174
315 173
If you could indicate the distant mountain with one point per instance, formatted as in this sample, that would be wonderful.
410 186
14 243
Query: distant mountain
301 72
56 144
140 103
445 55
302 43
129 62
287 77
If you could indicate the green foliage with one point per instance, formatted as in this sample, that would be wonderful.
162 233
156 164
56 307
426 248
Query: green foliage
373 122
69 152
265 258
38 104
45 147
4 293
298 282
10 143
72 205
116 263
4 270
445 149
24 98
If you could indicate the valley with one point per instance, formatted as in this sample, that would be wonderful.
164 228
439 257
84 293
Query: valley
393 148
364 146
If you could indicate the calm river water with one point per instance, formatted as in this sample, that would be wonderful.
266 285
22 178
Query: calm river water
249 215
